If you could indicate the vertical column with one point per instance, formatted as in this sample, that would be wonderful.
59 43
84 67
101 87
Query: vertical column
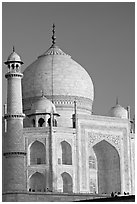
14 150
77 148
51 153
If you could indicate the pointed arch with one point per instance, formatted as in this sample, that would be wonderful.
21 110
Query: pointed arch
108 164
37 182
67 183
37 153
41 122
66 153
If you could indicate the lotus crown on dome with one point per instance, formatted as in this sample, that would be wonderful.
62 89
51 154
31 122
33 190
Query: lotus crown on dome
54 50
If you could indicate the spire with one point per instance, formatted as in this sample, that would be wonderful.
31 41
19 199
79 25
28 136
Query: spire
53 35
13 48
13 57
116 100
42 93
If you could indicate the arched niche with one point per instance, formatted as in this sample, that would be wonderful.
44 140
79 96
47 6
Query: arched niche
54 122
41 122
37 153
67 183
108 164
37 182
66 153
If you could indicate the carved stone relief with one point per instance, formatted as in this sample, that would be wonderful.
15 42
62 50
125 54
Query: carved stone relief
97 137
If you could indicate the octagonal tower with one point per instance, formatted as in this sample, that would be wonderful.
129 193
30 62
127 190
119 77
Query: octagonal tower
14 150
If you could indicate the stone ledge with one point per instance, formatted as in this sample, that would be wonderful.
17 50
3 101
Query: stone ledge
17 115
9 154
10 75
55 193
62 101
47 129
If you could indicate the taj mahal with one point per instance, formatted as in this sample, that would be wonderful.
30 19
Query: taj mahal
54 147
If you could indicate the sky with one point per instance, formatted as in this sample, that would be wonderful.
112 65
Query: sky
100 36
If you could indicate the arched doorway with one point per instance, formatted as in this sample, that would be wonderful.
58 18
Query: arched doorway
108 164
37 182
67 183
66 153
37 153
41 122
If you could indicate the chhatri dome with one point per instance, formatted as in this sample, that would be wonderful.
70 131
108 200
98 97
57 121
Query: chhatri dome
118 111
14 57
57 74
43 105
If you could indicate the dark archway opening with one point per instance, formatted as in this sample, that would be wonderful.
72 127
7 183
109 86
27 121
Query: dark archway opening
37 183
41 122
37 153
66 153
108 163
67 183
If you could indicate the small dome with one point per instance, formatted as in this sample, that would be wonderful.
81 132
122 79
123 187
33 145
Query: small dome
44 105
14 57
118 111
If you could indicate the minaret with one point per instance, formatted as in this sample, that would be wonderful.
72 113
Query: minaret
14 148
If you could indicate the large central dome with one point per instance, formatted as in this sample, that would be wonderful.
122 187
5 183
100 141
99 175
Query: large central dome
57 74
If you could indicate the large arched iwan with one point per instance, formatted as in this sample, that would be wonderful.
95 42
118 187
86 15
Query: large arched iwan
108 165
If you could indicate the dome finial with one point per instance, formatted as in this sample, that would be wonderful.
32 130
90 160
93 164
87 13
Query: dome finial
53 35
116 100
42 93
13 48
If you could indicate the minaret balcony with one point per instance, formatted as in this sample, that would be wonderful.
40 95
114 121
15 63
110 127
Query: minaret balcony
18 115
13 74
